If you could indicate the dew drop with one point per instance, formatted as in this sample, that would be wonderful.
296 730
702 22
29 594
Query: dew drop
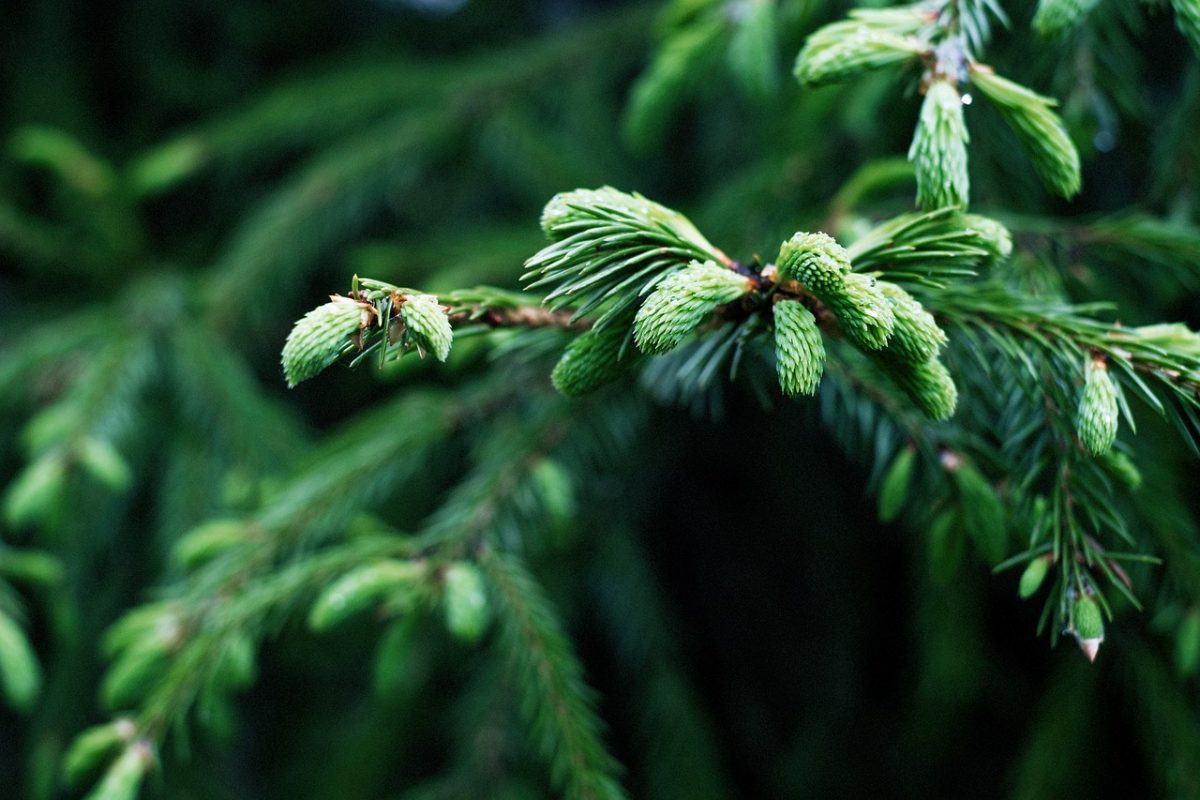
967 99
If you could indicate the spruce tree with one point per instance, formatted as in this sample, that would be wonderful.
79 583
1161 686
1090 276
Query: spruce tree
499 401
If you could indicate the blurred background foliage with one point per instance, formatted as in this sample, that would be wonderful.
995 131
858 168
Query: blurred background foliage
180 181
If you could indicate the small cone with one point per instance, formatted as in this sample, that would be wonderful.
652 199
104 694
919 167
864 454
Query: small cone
1088 626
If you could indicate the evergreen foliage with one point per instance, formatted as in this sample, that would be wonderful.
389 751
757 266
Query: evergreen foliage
608 541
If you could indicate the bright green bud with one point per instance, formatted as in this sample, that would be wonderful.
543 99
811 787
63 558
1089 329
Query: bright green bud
236 667
929 385
916 336
322 336
426 325
799 349
946 544
870 39
20 677
1056 16
893 490
363 588
1087 624
1039 128
104 463
207 541
1187 19
990 235
37 490
939 149
1098 412
1187 643
94 746
36 567
131 675
865 314
983 513
555 491
823 266
681 301
167 165
814 259
592 360
1122 467
392 656
467 609
124 777
1033 577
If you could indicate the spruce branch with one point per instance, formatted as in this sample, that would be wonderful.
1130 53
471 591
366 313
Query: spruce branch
1160 363
674 726
82 430
944 36
816 287
555 701
314 111
395 320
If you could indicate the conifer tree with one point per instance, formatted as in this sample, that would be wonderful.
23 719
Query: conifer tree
490 410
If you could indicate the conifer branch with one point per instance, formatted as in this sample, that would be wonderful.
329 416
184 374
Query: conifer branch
992 408
944 37
554 699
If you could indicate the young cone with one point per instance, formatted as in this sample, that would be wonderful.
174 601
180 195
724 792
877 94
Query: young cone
465 602
939 149
592 360
1088 626
362 588
426 325
916 336
1040 130
929 384
322 336
865 314
799 349
1033 577
814 259
680 303
870 39
1098 411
